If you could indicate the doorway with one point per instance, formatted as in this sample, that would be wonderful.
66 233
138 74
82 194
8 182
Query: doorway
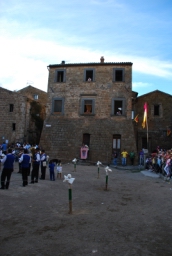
116 143
86 139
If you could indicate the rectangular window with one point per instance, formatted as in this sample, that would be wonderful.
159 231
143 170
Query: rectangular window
116 142
118 106
88 106
60 75
118 74
35 97
89 75
13 126
58 106
156 110
11 107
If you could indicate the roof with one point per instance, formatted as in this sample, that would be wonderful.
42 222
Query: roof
154 92
4 89
30 87
63 64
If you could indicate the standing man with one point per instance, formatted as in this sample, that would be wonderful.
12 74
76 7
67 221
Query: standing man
124 154
43 164
35 166
25 161
132 156
8 168
141 157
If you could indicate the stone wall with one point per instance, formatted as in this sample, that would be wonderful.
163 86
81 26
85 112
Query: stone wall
62 135
9 118
157 124
19 115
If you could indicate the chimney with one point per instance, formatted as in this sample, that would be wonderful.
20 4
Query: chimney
102 59
63 62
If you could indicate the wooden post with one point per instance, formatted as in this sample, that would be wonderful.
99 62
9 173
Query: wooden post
70 199
106 181
98 172
74 166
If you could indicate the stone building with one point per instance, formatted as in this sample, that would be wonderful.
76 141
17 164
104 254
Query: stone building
35 112
159 121
18 117
89 103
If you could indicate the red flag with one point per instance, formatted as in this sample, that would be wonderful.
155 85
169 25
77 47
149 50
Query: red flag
136 119
145 115
168 131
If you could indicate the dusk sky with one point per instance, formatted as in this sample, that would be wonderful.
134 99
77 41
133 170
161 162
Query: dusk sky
34 34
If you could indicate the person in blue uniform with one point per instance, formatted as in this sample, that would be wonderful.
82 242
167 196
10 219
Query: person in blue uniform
25 161
8 168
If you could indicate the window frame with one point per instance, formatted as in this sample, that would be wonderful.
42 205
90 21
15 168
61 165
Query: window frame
53 105
35 96
56 75
160 110
154 106
113 112
83 106
11 108
114 74
85 76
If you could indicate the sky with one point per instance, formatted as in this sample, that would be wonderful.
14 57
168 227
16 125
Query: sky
35 34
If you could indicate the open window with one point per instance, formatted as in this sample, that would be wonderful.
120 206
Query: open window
156 110
88 106
118 106
118 75
11 107
60 76
89 75
13 126
58 106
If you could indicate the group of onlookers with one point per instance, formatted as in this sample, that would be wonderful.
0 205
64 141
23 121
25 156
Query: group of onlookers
28 157
160 162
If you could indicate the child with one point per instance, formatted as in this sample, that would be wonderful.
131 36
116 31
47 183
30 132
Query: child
59 169
51 168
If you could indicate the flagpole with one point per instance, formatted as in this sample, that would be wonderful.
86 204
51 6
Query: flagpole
147 134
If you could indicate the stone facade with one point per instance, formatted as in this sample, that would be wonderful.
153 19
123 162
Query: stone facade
15 107
159 120
80 111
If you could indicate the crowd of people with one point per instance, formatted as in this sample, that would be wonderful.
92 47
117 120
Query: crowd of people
30 159
160 161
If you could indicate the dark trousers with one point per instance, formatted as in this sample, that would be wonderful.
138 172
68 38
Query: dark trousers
35 173
28 174
43 171
6 174
132 161
24 176
52 176
20 168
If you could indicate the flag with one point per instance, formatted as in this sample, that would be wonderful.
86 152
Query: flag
136 119
145 115
168 131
